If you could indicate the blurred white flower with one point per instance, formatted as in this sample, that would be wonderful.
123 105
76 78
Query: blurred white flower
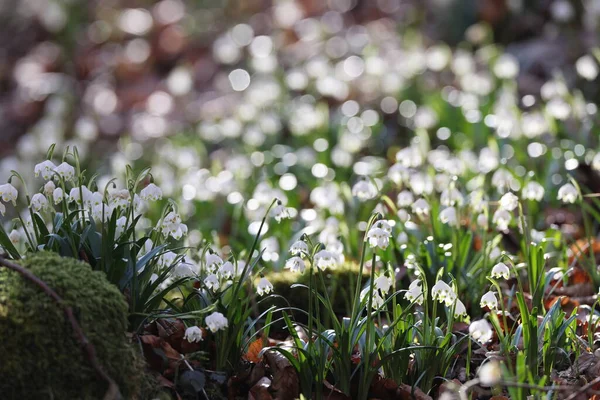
383 284
216 321
509 201
119 198
15 237
45 169
405 198
568 193
77 192
587 67
49 188
9 193
490 373
500 270
451 197
120 227
482 221
66 171
415 292
443 293
448 216
264 287
193 334
533 191
280 212
421 207
489 300
364 190
57 195
227 270
39 202
481 331
212 261
295 264
502 219
151 193
212 282
378 237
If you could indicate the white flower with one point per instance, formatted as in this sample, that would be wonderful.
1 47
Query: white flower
502 218
39 202
76 192
212 282
49 188
383 284
227 270
500 270
325 259
172 225
167 259
405 198
482 221
481 331
45 168
2 209
15 237
587 67
120 227
264 287
9 193
151 193
509 201
460 311
378 238
193 334
533 191
489 300
280 212
415 292
568 193
101 212
299 248
66 171
295 264
448 216
421 207
216 321
212 261
451 197
119 198
402 238
376 302
364 190
57 195
490 373
443 293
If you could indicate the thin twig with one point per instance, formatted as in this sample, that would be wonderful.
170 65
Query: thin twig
87 347
584 389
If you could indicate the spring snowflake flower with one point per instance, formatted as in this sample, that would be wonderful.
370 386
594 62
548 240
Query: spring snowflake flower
364 190
443 293
280 212
378 237
421 207
15 237
101 212
216 321
2 209
383 284
212 261
405 198
402 238
212 282
49 188
227 270
489 300
502 219
172 225
568 193
481 331
509 201
9 193
460 311
76 193
120 226
325 259
193 334
65 171
45 169
451 197
482 221
151 193
376 302
415 292
490 373
587 67
299 248
295 264
167 259
533 191
264 287
448 216
39 202
58 195
500 270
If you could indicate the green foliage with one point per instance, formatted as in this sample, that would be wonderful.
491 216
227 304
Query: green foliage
40 356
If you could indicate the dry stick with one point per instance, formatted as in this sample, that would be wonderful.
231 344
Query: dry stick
584 389
113 392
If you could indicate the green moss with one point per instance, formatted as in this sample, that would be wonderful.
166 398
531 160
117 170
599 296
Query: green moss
40 357
340 284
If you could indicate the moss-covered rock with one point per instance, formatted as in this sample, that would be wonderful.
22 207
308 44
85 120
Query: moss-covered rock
39 356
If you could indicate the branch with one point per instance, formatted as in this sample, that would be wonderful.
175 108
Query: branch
88 349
